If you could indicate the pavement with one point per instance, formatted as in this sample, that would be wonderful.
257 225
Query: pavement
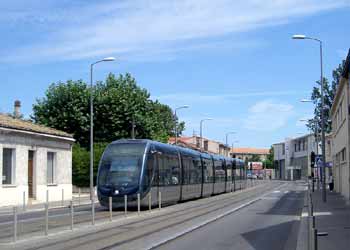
332 217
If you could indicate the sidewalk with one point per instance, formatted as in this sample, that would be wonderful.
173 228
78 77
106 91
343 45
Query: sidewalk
332 217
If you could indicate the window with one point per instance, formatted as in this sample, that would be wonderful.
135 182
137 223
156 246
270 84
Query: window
206 145
295 147
51 157
283 149
343 155
8 169
169 170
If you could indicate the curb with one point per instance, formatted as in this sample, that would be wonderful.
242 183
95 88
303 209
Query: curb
302 241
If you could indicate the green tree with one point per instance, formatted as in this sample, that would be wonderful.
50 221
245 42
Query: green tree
254 158
329 94
268 163
118 104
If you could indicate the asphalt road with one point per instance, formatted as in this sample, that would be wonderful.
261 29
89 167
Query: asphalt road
263 217
270 223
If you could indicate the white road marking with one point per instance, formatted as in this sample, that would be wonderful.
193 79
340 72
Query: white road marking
277 191
305 214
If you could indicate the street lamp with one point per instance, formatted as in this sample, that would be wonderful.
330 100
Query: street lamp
200 126
182 107
324 196
233 145
228 133
107 59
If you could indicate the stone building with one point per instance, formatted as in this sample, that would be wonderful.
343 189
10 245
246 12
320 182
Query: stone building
33 159
341 133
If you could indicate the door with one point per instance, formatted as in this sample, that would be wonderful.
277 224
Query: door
30 174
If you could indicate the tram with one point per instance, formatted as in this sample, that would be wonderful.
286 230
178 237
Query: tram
145 167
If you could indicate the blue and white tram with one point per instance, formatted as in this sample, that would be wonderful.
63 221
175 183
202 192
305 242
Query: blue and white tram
129 167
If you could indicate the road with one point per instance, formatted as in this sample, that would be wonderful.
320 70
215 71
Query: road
263 217
270 223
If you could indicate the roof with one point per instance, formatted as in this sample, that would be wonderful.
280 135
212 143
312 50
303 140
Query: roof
258 151
22 125
346 70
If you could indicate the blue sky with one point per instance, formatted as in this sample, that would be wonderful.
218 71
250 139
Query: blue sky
233 61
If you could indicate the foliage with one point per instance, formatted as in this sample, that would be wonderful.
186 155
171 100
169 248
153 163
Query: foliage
118 104
81 163
329 94
254 158
268 163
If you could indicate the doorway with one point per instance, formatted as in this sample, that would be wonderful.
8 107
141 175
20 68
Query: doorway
30 174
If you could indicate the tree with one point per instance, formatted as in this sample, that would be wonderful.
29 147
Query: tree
329 94
254 158
268 163
118 104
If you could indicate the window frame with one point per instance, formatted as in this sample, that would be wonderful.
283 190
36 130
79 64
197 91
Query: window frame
54 166
13 167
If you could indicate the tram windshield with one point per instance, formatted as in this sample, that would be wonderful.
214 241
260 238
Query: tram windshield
121 164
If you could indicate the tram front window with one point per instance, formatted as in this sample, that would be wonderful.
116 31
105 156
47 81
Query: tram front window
121 165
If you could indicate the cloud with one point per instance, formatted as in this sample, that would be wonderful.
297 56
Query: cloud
74 31
268 115
197 98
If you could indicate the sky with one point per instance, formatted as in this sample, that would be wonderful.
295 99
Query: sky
232 61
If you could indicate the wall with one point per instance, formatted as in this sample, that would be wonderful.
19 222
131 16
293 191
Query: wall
22 143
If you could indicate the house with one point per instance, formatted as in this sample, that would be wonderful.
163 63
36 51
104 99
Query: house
34 159
194 142
341 133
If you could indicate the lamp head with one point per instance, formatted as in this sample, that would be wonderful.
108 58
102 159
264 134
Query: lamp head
298 37
108 59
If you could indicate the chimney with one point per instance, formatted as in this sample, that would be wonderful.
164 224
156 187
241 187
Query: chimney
17 112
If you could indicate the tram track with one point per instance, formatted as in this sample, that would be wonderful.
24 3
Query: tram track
156 224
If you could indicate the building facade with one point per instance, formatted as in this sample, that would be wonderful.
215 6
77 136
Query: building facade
292 157
246 153
341 133
208 145
34 159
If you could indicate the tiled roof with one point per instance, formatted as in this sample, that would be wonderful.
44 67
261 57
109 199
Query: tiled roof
261 151
19 124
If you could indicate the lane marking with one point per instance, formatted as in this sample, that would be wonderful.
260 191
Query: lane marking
276 191
305 214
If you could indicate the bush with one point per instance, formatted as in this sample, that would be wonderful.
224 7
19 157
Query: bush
81 163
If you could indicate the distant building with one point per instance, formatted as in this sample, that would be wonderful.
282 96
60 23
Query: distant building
33 159
292 157
246 153
341 133
208 145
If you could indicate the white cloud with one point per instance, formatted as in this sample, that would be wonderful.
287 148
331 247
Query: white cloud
268 115
128 28
198 98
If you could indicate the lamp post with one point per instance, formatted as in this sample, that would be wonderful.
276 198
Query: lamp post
233 145
201 128
323 138
107 59
228 133
316 141
181 107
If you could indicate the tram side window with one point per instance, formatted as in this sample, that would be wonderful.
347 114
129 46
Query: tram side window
208 171
219 171
148 172
229 171
186 170
196 171
169 170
